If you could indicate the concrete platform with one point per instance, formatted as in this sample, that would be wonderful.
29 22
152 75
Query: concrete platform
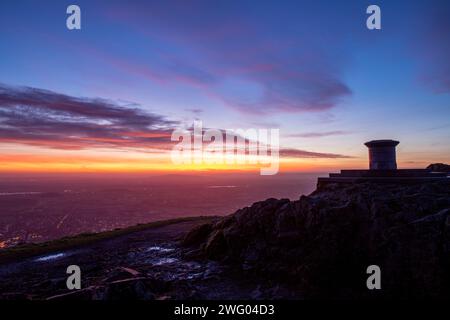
402 176
389 173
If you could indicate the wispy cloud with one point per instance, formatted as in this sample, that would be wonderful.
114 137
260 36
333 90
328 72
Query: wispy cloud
318 134
45 118
196 111
296 153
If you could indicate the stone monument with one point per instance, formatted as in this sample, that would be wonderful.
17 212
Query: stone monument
383 169
382 154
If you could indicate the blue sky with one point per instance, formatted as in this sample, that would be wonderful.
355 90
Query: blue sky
311 68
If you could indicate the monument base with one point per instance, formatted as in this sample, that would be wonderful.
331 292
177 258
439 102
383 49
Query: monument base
383 176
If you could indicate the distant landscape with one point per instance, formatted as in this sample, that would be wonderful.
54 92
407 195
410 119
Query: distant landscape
45 207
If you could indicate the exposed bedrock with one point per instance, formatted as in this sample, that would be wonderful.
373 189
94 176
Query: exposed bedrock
323 243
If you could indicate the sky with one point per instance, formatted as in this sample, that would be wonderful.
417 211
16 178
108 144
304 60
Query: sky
108 97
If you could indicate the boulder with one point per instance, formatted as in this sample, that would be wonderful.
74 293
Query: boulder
197 234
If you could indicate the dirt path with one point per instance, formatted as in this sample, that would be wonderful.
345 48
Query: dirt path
146 264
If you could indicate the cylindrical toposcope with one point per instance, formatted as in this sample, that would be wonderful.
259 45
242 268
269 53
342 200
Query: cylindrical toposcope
382 154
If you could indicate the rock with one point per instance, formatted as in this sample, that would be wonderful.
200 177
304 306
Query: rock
193 254
324 242
121 273
439 167
132 272
215 246
129 289
197 234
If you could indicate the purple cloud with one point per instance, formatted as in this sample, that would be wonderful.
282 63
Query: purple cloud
46 118
296 153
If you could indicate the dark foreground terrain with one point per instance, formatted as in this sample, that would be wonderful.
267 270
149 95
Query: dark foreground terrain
146 264
316 247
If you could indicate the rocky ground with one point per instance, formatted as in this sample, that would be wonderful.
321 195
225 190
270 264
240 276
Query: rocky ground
316 247
323 243
143 265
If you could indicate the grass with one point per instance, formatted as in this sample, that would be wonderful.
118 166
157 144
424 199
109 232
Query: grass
35 249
